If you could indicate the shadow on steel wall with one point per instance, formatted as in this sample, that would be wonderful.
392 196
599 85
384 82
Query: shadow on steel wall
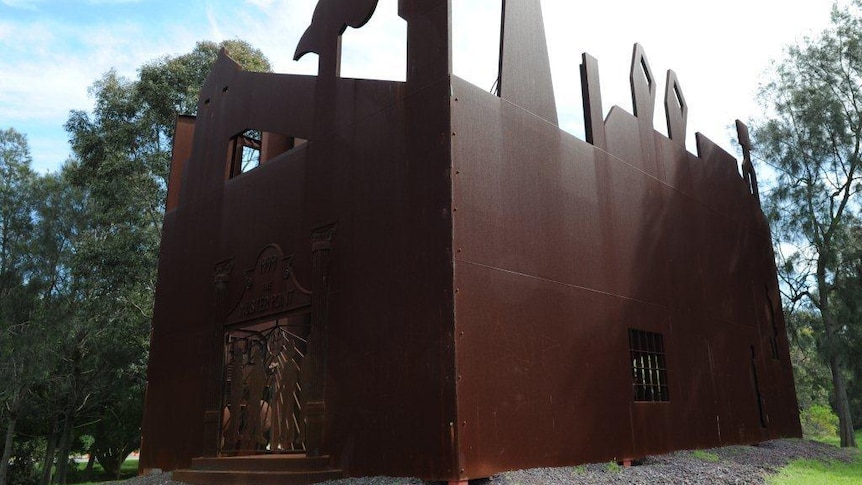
476 289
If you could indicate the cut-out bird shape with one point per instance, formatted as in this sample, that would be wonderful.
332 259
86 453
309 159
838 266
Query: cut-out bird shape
331 18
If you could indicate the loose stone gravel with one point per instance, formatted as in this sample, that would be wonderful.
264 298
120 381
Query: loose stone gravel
737 465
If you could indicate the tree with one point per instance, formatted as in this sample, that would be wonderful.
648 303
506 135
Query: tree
812 138
16 181
121 166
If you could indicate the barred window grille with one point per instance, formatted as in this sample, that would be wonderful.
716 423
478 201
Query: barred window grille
649 368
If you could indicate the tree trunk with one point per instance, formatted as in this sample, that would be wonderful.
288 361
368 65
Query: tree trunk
50 450
845 420
65 446
88 472
10 435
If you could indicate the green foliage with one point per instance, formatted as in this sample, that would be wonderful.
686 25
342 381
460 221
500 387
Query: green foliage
834 441
813 472
170 86
122 159
78 261
23 468
819 421
812 139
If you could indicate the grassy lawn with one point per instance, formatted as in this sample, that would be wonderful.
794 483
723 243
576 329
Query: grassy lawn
812 472
127 470
836 442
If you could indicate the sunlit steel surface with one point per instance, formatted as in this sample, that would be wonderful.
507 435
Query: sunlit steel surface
471 289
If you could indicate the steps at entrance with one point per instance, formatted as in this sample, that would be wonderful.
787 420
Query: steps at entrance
265 463
258 470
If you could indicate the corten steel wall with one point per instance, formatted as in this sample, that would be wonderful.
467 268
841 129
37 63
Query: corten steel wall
485 267
376 169
560 248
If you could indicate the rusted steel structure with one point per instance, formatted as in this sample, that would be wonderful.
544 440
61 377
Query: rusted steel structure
422 278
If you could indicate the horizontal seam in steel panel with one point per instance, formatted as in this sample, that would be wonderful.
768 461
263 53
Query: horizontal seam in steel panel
591 290
560 283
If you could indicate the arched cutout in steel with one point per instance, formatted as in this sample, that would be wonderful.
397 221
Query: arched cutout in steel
323 37
643 86
676 109
525 69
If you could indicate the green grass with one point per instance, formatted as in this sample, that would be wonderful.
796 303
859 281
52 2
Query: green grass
812 472
127 470
835 441
705 456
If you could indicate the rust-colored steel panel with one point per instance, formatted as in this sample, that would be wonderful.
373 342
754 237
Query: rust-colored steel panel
688 241
182 150
425 279
525 70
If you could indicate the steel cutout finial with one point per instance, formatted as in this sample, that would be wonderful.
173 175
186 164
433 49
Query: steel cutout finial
331 18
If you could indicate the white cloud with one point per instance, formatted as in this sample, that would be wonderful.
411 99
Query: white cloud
718 49
261 4
26 4
111 2
48 66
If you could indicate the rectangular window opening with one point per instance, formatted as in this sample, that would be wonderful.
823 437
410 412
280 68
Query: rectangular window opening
649 368
252 148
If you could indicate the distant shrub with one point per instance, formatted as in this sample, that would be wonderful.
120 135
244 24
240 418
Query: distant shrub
819 422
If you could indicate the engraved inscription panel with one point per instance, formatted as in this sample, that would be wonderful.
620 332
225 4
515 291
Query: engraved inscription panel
269 288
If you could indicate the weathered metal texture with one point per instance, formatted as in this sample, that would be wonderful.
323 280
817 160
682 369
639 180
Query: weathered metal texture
471 275
377 171
525 69
562 247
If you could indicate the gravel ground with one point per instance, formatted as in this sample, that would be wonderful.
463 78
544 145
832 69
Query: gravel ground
738 465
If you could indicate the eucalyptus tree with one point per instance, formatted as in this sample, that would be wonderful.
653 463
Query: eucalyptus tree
121 163
17 339
812 138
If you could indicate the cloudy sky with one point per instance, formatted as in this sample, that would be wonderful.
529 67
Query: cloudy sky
52 50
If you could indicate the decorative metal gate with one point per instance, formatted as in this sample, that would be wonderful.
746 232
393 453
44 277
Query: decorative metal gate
262 411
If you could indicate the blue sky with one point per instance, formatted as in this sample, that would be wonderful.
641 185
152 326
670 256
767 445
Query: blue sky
52 50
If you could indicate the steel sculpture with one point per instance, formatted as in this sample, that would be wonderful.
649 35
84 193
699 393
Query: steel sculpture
421 278
323 36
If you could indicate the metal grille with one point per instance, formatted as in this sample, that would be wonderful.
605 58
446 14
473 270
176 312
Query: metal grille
649 370
262 410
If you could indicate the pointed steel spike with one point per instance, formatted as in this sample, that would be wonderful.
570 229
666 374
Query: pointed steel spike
676 109
594 123
643 86
525 70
